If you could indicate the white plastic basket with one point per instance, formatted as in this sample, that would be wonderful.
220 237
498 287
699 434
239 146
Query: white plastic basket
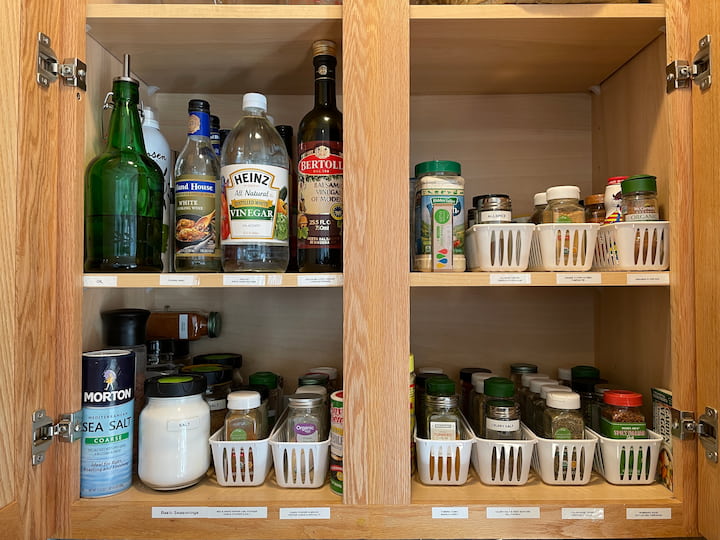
641 245
628 461
299 464
563 462
503 463
503 247
444 463
240 463
563 247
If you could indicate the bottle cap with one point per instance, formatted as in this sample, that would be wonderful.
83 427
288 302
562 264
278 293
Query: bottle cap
523 368
321 379
440 386
467 373
584 372
563 192
259 388
214 324
527 378
563 400
564 374
478 381
149 118
499 387
305 400
597 198
226 359
284 130
545 390
198 105
312 389
540 198
124 327
254 100
331 372
613 180
324 47
433 370
175 386
623 398
536 384
214 123
641 182
265 378
430 167
585 385
422 378
243 399
213 373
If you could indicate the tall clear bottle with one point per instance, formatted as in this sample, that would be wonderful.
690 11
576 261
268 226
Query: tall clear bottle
124 192
320 172
197 196
255 170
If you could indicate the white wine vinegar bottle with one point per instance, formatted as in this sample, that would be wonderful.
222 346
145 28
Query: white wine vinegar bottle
255 219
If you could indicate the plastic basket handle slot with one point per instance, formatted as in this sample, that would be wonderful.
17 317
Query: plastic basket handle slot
506 463
444 464
238 465
635 469
298 466
569 462
570 248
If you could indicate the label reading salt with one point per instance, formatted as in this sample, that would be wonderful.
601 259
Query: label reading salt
661 278
516 278
100 281
175 280
583 513
579 278
450 512
243 281
512 512
319 280
184 424
305 513
648 513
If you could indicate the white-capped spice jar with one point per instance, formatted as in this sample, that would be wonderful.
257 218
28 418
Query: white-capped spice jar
174 430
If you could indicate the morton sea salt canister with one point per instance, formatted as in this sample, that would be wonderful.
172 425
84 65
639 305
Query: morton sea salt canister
108 379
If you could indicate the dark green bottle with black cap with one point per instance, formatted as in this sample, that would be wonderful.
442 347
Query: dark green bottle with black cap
124 193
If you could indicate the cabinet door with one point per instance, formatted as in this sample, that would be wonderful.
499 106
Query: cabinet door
705 19
41 272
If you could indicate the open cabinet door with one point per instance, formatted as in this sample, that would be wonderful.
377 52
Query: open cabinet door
705 19
40 311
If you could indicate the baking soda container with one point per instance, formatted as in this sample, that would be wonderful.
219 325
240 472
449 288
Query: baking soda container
336 423
108 379
439 217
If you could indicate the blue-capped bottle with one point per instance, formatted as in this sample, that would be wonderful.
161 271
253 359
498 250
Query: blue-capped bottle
197 197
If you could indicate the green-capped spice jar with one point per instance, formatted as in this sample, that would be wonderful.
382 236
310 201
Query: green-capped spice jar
502 411
639 198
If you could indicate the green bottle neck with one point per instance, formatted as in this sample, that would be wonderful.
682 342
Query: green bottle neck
125 132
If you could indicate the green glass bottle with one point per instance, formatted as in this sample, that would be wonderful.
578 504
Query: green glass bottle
123 193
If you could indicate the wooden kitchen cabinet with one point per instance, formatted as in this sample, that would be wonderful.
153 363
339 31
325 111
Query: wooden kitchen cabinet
524 96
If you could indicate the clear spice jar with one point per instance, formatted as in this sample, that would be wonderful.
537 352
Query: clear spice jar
467 388
595 208
639 199
421 379
442 418
244 419
564 205
494 208
586 389
533 393
307 419
622 415
597 404
540 204
540 404
562 418
524 390
519 369
502 419
477 405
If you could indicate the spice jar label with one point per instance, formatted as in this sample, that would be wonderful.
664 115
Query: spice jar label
622 430
184 424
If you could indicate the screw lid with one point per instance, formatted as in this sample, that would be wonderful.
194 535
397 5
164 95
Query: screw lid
430 167
243 399
623 398
523 368
265 378
527 378
467 373
545 390
253 100
563 192
440 386
616 180
563 400
640 182
597 198
124 327
499 387
171 386
214 373
540 198
536 384
585 372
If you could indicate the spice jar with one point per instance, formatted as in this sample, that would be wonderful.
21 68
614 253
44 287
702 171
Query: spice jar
533 393
307 419
540 204
564 376
332 373
466 387
477 405
321 379
563 419
183 325
442 417
639 199
564 205
517 370
420 383
540 404
502 412
622 416
233 360
597 404
586 389
595 208
269 380
494 208
584 372
219 383
524 390
613 199
244 419
174 430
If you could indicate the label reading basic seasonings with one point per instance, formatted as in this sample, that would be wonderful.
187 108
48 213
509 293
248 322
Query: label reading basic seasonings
255 205
320 194
195 216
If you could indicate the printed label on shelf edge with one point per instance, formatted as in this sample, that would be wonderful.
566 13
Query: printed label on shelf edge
319 280
305 513
571 278
187 280
209 512
513 512
583 513
661 278
515 278
450 512
100 281
648 513
243 280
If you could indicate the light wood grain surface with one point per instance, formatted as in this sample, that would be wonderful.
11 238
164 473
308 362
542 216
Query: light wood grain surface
705 19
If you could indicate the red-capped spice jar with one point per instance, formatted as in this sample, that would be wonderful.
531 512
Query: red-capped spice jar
622 416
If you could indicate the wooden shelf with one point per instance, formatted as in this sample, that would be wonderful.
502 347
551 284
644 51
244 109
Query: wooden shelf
196 48
211 280
520 49
538 279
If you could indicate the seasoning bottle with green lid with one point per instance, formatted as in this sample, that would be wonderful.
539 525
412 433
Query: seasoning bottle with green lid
622 416
563 419
540 404
466 387
420 391
442 415
502 412
269 380
519 369
639 198
322 379
585 387
233 360
584 372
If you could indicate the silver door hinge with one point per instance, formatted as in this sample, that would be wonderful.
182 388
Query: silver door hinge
679 73
685 427
73 71
44 431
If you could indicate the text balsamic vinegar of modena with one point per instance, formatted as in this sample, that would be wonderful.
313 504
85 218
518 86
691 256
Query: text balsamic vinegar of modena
320 172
